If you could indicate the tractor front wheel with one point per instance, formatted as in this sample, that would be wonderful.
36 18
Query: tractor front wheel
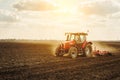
73 52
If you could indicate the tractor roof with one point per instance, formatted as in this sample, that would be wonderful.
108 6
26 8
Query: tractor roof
78 33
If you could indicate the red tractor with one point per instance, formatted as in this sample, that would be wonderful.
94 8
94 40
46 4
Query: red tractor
75 44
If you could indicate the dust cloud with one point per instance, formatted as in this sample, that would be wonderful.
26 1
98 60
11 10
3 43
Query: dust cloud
105 46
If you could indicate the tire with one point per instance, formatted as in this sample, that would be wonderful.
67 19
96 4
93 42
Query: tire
73 52
88 51
58 52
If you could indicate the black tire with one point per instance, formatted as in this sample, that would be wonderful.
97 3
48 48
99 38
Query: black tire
58 52
73 52
88 51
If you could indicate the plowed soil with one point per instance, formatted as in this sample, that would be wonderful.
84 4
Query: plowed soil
34 60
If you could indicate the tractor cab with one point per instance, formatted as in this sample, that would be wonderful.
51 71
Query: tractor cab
78 37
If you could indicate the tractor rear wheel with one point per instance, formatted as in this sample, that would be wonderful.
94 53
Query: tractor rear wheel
73 52
88 51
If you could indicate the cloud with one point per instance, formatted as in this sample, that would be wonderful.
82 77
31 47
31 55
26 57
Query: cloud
118 0
7 16
35 5
115 15
99 7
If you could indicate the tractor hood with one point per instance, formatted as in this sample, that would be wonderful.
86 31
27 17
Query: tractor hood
67 44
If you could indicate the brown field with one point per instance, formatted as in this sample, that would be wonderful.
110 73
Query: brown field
34 60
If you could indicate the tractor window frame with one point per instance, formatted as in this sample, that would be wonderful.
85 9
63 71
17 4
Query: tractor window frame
83 38
70 37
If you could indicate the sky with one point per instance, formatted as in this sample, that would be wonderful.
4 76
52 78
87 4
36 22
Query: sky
50 19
